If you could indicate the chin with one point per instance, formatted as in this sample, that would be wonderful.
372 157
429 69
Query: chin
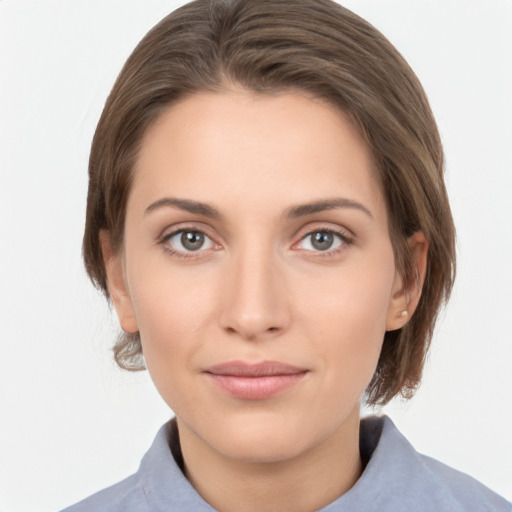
261 449
262 438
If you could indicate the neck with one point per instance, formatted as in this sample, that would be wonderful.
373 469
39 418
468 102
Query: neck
304 483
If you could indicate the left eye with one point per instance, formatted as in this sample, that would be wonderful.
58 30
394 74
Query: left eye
189 241
321 241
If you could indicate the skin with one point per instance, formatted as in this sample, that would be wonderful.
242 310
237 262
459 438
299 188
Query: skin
259 290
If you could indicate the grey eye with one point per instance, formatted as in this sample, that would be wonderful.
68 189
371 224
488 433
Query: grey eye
190 241
321 241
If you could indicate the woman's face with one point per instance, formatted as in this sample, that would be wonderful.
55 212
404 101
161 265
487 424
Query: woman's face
258 268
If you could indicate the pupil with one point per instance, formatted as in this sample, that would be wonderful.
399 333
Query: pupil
192 240
322 241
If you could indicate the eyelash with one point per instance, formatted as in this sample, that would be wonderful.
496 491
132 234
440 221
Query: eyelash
164 241
346 240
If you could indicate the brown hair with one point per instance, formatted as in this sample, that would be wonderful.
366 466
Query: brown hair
268 46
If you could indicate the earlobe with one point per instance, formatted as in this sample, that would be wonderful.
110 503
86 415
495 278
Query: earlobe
117 286
406 294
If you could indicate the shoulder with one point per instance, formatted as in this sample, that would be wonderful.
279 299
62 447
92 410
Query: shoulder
457 488
125 496
403 479
159 483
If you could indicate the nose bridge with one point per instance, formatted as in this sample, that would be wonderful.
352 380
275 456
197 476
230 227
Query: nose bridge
255 303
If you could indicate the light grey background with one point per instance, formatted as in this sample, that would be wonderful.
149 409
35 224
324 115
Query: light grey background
70 422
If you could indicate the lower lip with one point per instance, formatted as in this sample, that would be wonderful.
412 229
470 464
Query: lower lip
256 388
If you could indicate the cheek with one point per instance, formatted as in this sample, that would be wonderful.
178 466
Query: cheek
172 308
346 315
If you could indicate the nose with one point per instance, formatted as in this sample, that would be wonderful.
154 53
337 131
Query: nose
254 297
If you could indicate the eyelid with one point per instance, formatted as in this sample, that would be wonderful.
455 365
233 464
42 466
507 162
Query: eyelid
346 235
171 231
208 242
328 227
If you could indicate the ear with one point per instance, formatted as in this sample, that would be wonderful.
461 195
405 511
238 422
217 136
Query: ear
117 286
406 295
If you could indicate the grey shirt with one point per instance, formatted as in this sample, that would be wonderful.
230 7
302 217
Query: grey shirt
396 478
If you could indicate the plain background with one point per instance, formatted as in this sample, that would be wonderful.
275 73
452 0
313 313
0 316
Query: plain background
70 422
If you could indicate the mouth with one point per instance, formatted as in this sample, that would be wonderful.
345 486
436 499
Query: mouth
254 381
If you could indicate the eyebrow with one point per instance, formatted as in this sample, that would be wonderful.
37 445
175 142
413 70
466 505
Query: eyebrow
325 204
184 204
293 212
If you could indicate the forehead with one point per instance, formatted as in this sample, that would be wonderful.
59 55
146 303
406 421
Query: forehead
271 148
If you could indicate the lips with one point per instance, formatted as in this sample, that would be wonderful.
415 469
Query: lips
254 381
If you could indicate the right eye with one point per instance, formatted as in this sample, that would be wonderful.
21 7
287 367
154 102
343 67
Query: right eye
188 241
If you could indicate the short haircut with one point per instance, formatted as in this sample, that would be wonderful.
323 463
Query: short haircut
273 46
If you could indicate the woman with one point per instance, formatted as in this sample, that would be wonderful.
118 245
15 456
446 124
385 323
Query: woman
267 213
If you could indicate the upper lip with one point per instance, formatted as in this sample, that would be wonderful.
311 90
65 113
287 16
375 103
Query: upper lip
263 369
